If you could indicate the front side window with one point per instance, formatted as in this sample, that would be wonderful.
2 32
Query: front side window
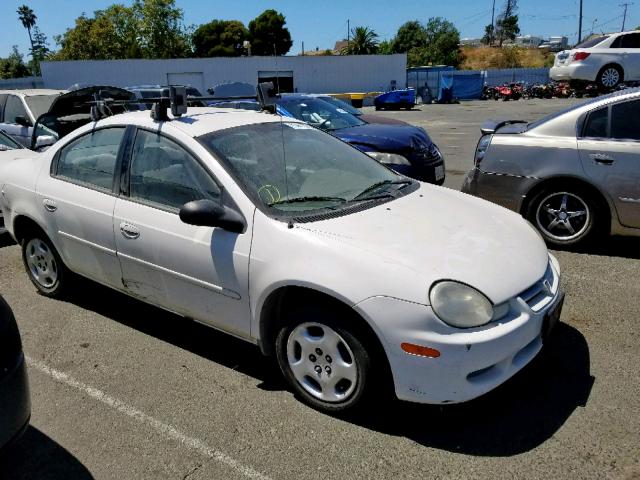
625 120
91 159
14 108
597 124
164 174
292 167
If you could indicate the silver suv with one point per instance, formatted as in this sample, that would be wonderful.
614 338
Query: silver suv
19 110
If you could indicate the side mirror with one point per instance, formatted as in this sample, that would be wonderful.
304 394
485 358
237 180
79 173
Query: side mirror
207 213
23 121
43 141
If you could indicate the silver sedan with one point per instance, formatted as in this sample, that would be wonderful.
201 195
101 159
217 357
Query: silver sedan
574 174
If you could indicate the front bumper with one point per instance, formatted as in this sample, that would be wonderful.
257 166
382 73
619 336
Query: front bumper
472 362
574 71
15 402
506 190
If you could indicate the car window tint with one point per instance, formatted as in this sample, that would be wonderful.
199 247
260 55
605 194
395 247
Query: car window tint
625 120
91 159
165 174
597 123
631 40
14 108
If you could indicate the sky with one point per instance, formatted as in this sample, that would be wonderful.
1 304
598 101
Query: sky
319 23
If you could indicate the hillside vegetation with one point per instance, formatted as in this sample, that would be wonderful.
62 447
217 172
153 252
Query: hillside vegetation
482 58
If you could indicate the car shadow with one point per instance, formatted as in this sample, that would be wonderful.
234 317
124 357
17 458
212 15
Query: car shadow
514 418
615 246
6 240
35 455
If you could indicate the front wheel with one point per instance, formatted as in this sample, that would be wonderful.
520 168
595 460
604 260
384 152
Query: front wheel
324 362
564 217
44 265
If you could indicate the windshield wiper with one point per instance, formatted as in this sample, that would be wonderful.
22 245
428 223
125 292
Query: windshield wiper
363 195
308 199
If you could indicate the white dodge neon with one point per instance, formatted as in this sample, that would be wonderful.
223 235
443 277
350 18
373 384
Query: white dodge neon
352 276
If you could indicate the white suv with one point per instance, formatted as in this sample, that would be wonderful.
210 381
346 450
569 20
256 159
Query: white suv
607 60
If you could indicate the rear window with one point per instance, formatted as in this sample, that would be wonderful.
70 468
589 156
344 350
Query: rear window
592 42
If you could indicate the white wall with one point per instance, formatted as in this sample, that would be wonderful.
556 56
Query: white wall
313 74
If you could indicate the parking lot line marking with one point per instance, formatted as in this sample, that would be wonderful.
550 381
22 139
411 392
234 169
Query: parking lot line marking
165 429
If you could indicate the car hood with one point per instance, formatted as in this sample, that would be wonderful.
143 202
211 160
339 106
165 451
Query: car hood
385 137
377 119
437 233
76 101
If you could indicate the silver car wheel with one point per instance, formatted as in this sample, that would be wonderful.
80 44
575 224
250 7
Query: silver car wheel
563 216
610 77
322 362
41 262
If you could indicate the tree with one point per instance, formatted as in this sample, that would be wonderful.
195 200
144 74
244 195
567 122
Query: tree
28 19
385 47
268 34
160 29
410 35
220 38
441 45
507 24
39 50
13 66
364 41
489 35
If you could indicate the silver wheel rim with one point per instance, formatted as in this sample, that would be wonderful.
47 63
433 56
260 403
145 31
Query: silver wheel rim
563 216
322 362
41 262
610 77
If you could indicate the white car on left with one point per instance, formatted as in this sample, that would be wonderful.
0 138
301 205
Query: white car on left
360 281
9 150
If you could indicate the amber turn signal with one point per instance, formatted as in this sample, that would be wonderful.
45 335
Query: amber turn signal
420 350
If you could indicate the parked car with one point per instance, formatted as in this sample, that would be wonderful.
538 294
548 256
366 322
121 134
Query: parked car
19 110
143 92
607 60
356 278
574 174
15 401
8 149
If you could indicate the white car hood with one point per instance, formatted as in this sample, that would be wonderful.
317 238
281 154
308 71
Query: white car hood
436 233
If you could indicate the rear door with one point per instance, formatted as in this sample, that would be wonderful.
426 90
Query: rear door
610 153
631 56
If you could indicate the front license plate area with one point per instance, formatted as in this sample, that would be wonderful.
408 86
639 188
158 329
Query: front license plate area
439 172
552 318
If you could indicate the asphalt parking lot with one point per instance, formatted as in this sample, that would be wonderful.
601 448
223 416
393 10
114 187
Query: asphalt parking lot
122 390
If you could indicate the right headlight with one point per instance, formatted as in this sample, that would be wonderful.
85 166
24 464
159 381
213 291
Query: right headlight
460 305
389 158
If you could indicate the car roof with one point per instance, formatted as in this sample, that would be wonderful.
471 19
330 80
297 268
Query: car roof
33 92
198 120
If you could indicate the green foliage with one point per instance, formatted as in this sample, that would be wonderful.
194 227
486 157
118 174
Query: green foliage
28 20
507 27
441 45
364 41
160 29
267 32
220 38
489 35
385 47
410 35
39 50
13 66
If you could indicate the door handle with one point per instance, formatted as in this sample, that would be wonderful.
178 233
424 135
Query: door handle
129 231
602 158
49 205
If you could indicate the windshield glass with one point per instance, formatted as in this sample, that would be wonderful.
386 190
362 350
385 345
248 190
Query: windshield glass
592 42
319 113
7 143
341 104
292 167
40 104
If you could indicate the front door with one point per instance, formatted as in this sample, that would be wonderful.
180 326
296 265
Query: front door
610 155
77 197
199 272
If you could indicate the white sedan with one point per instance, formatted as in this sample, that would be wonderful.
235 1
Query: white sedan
355 278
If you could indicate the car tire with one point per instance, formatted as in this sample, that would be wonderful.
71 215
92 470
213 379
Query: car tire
326 363
565 217
609 77
44 266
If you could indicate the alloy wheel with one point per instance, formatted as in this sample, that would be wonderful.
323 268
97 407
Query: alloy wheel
42 263
322 362
563 216
610 77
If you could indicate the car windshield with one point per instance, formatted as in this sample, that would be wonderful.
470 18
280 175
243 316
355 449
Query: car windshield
39 104
319 113
341 104
292 167
592 42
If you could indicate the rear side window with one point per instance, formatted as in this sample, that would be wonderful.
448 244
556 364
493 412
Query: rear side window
91 159
625 120
597 124
14 108
631 40
165 174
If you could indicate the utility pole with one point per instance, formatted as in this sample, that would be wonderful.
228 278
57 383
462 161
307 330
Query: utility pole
348 34
493 24
580 24
624 17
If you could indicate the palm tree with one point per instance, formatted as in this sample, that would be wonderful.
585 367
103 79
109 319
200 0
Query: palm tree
364 42
28 19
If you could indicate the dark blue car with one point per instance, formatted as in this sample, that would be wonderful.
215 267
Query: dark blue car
404 148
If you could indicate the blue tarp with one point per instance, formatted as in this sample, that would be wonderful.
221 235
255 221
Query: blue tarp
462 86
